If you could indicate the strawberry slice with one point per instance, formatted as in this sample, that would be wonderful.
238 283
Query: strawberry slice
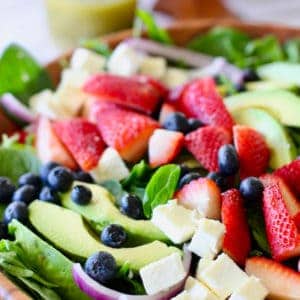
200 99
237 240
82 139
204 144
7 126
252 150
49 147
165 111
129 92
281 281
164 145
126 131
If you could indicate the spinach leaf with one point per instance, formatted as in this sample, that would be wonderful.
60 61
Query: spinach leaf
292 50
20 74
97 46
161 187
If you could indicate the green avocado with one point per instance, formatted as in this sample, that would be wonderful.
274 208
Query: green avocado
101 211
67 231
282 104
281 146
268 85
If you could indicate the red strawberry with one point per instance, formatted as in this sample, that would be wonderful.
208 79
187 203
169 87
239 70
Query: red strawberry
126 131
201 100
281 281
237 240
252 150
82 139
128 92
7 126
202 194
204 144
49 147
164 145
165 111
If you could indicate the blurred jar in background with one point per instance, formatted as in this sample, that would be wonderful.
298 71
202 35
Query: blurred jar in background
72 20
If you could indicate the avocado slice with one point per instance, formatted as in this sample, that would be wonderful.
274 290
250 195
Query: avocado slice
268 85
283 105
66 230
101 211
282 148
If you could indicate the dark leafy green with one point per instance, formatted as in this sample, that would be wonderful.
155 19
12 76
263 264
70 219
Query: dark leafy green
97 46
292 50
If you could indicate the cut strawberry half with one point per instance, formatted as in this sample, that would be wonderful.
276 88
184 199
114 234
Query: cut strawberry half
202 194
165 111
252 150
237 240
7 126
82 139
49 147
204 143
164 145
200 99
281 281
128 92
126 131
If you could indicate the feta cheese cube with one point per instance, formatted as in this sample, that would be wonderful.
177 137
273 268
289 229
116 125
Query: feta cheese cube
175 77
87 60
202 265
153 66
73 78
208 240
162 274
251 290
175 221
110 166
198 290
223 276
184 295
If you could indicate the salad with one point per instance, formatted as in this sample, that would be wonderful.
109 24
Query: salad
153 172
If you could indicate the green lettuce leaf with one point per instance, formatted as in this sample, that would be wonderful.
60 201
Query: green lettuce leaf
292 50
97 46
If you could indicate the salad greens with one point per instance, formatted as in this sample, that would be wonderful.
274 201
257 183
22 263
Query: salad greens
97 46
292 50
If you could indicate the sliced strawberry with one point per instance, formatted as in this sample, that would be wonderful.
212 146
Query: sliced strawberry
237 240
200 99
252 150
128 92
7 126
82 139
126 131
281 281
204 144
49 147
165 111
202 194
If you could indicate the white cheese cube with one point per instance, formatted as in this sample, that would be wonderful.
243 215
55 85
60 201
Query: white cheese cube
223 276
184 295
153 66
73 78
251 290
110 166
198 290
208 239
175 221
162 274
175 77
87 60
202 265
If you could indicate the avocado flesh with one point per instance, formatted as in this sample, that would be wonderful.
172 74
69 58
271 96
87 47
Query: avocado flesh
67 231
282 149
268 85
281 104
101 211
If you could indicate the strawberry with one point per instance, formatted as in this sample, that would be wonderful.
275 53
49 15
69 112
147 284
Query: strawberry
165 111
129 92
252 150
200 99
281 281
82 139
7 126
164 145
49 147
126 131
202 194
204 144
237 240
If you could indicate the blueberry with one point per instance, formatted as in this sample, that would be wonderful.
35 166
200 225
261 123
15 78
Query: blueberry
16 210
81 195
3 231
6 190
250 75
228 161
83 176
251 189
60 179
187 178
131 206
45 170
31 179
176 122
113 236
101 266
194 124
240 87
221 181
26 194
49 195
184 169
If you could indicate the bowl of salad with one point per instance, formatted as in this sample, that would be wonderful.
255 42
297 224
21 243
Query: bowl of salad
151 167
